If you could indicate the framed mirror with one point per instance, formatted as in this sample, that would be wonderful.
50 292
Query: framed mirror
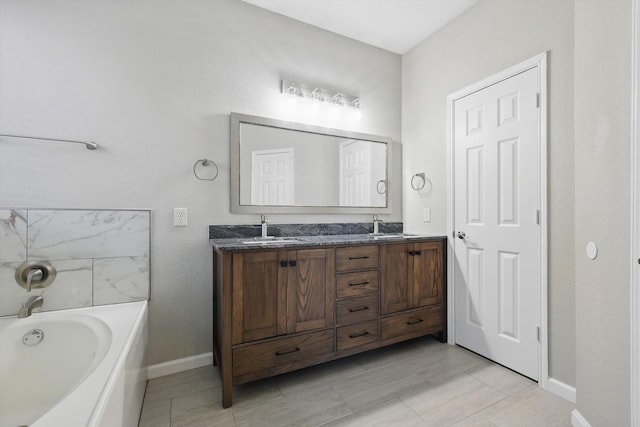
286 167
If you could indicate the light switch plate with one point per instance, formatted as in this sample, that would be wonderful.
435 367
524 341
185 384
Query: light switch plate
426 214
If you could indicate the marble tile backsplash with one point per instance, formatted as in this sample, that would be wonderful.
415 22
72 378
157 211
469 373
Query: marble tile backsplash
101 256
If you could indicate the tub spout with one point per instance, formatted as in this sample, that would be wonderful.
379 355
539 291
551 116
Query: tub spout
29 305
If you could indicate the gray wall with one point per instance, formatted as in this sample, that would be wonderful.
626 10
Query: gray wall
602 199
489 37
154 83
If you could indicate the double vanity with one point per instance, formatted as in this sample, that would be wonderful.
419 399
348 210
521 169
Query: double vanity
316 292
282 304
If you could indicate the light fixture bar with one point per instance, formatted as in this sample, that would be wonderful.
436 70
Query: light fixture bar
316 93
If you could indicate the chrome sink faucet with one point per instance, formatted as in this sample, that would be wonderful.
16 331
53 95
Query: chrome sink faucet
376 224
263 224
29 305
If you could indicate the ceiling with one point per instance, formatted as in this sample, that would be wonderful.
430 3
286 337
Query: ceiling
393 25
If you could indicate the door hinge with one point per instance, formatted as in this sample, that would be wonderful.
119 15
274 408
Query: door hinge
538 333
538 216
537 100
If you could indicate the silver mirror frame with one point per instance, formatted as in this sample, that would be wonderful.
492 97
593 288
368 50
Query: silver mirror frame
237 119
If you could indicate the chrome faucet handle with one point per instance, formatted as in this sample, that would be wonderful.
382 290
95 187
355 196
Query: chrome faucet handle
34 274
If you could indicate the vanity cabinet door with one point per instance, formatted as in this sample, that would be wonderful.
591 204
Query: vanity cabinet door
259 296
310 279
412 275
426 274
394 282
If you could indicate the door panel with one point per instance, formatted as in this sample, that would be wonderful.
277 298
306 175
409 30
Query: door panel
426 274
309 290
496 198
272 177
257 296
394 279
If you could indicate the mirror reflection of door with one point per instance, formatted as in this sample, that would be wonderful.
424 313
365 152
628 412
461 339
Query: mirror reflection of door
355 173
272 177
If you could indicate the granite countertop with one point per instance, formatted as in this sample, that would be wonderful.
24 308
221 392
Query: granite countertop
243 243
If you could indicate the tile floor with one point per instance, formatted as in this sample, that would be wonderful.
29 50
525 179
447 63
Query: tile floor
417 383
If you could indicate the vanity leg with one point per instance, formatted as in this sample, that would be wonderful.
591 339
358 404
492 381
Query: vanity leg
226 393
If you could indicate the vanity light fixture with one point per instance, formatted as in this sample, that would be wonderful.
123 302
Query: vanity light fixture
319 94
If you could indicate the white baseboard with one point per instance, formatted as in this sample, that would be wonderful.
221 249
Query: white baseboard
577 420
179 365
561 389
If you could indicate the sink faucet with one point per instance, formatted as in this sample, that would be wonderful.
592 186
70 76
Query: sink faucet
29 305
376 223
263 223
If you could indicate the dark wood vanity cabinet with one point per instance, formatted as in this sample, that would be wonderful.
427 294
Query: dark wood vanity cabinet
277 310
413 290
412 274
281 292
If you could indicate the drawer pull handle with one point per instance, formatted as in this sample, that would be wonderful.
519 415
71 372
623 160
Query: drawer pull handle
293 263
358 257
361 334
359 284
282 353
414 322
413 253
355 310
283 263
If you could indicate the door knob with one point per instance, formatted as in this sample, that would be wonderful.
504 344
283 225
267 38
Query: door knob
461 235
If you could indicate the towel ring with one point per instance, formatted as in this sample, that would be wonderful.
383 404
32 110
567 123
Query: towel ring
416 184
381 186
205 162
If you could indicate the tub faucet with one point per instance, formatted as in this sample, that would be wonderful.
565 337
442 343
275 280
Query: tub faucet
29 305
263 223
376 224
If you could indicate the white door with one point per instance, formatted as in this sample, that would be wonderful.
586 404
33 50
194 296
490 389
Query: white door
272 177
355 173
496 213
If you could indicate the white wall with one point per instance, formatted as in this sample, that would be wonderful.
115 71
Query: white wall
154 82
602 200
489 37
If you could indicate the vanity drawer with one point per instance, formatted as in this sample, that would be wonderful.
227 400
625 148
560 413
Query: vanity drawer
356 284
358 334
354 310
413 324
356 258
281 351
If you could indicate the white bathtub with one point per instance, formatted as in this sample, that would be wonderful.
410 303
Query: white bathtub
88 370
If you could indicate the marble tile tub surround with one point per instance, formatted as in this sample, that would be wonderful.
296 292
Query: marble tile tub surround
293 230
101 256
